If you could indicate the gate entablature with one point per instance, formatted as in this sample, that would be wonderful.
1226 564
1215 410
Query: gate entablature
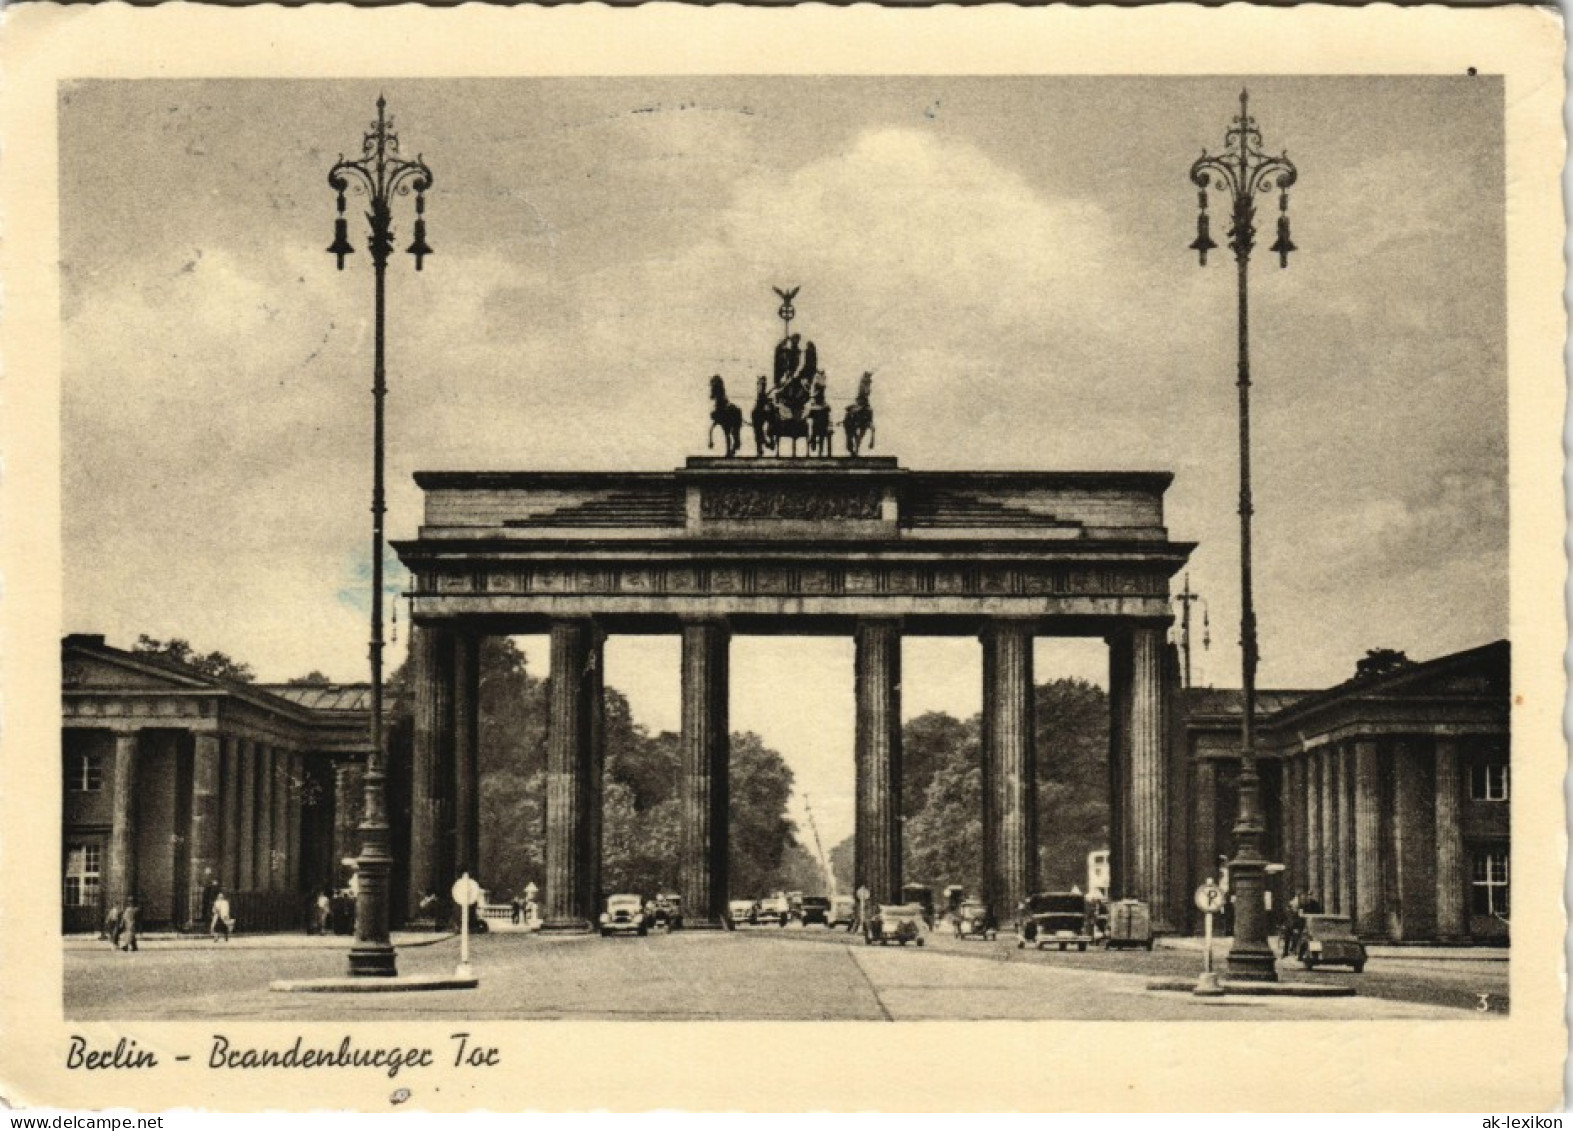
813 538
859 547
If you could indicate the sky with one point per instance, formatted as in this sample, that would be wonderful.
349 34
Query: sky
1008 254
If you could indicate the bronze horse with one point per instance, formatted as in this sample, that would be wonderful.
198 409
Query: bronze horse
727 415
859 420
764 420
820 432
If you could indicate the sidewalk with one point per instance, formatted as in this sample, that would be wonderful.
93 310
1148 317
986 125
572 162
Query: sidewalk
171 940
1375 950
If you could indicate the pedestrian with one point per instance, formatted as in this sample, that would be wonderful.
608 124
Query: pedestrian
221 920
324 911
210 890
518 909
112 923
128 924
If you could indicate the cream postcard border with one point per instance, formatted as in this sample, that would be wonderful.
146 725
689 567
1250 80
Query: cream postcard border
1498 1064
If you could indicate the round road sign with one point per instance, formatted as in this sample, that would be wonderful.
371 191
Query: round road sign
466 892
1209 897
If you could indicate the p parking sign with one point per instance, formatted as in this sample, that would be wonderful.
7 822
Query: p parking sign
1209 898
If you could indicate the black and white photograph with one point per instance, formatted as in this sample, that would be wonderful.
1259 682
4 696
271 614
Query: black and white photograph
872 545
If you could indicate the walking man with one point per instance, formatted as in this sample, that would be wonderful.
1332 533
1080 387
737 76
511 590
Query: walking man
221 920
128 925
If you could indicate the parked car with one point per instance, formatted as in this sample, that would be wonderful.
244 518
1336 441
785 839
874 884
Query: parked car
1055 918
1130 924
773 909
923 896
899 922
843 912
974 920
668 911
816 909
1329 940
741 911
624 914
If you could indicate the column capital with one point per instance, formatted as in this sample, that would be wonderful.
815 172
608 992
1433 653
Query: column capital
1015 626
708 620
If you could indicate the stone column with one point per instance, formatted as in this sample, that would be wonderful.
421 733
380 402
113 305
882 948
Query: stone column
704 781
1414 842
120 879
1370 911
877 673
1148 816
431 675
1313 825
349 788
467 753
1451 919
1286 807
292 823
1329 759
1300 773
1205 839
569 903
1346 830
266 761
595 688
229 874
206 858
1119 761
246 880
278 863
1010 840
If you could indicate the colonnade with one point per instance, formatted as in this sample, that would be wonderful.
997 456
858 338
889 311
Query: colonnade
243 830
445 803
1374 830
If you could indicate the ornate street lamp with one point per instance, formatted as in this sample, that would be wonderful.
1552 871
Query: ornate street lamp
1242 171
379 174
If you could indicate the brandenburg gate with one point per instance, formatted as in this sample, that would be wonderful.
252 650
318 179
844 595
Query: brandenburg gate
815 545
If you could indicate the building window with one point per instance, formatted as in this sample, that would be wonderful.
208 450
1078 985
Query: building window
84 867
1490 882
1488 781
86 774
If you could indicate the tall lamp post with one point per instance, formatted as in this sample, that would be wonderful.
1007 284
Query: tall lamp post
1242 171
379 174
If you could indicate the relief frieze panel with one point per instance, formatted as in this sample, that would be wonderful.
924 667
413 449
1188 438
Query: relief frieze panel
808 503
916 579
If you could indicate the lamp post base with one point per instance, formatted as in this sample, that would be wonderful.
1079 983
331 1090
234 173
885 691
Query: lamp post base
373 960
1249 963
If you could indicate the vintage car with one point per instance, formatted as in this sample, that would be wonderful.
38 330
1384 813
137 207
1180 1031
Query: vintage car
741 911
1055 918
974 920
1129 924
843 912
899 922
816 909
773 909
1328 940
668 911
923 896
624 915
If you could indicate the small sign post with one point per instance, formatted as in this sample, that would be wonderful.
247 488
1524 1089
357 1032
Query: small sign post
1209 900
466 893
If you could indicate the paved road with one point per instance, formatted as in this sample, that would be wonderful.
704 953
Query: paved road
761 974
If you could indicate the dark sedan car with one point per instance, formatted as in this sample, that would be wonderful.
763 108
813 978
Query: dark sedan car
1327 940
816 909
1056 918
